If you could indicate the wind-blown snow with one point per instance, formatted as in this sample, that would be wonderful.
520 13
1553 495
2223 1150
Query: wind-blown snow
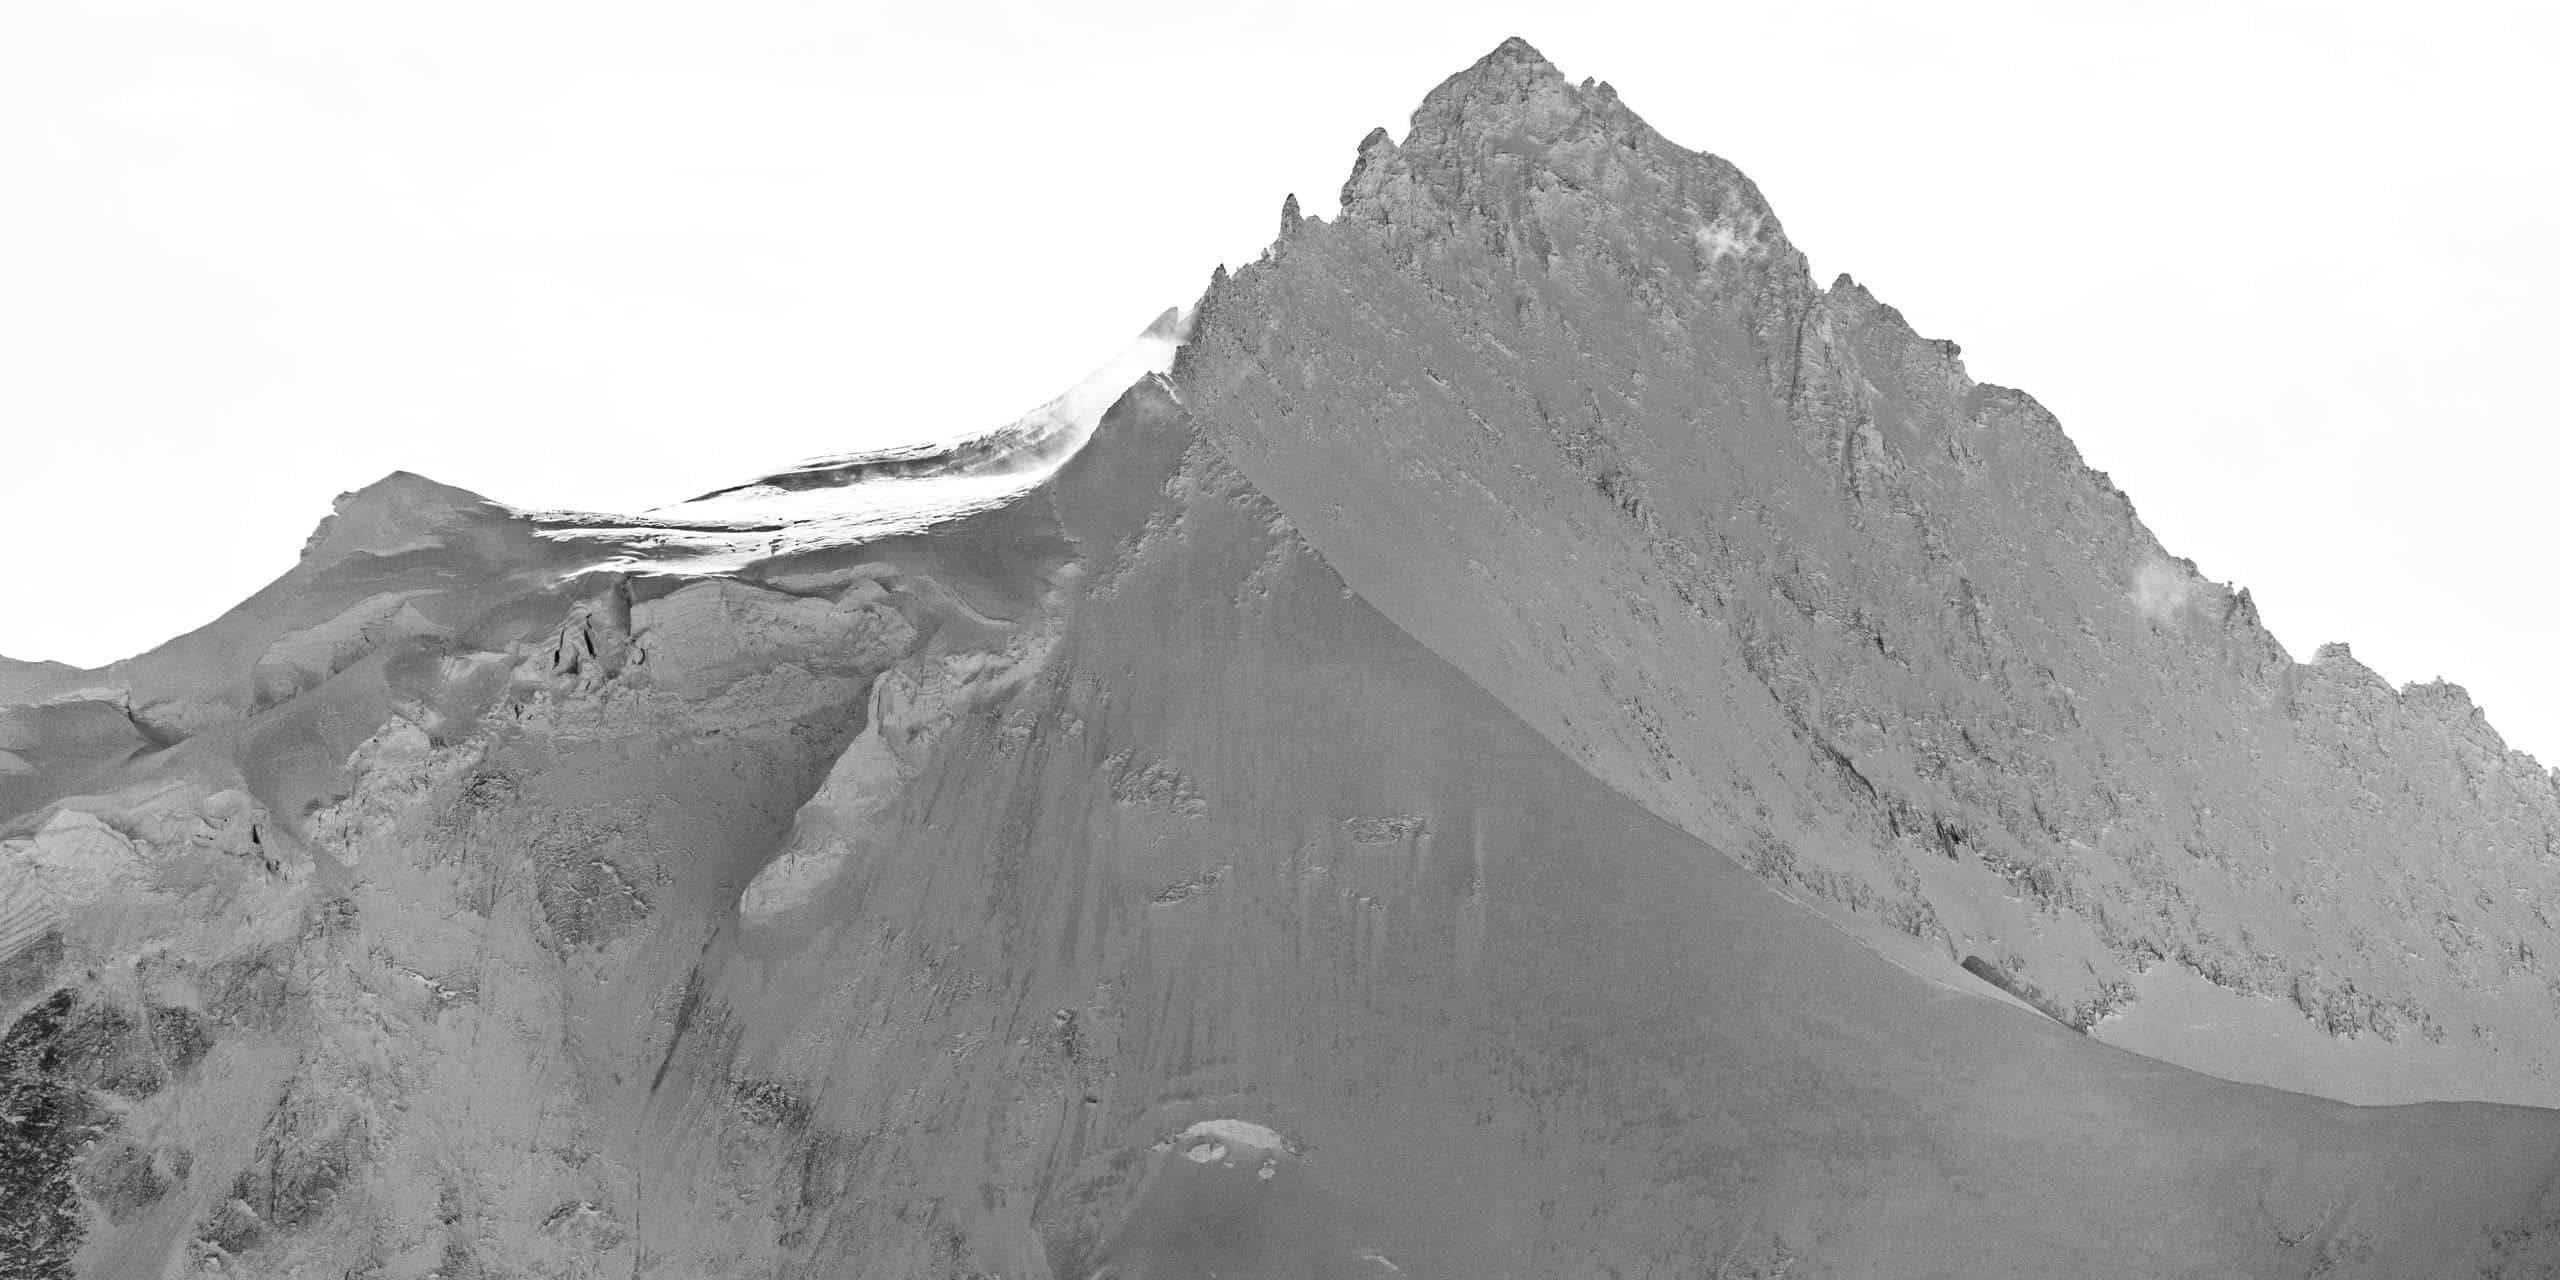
860 497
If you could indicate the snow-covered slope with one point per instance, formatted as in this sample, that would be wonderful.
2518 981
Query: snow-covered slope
856 497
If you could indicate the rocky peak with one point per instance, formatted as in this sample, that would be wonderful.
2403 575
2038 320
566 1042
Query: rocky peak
1511 154
2337 661
1550 365
391 512
1501 86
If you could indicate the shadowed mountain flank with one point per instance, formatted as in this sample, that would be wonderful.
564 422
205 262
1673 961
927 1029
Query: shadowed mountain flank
1558 396
1519 737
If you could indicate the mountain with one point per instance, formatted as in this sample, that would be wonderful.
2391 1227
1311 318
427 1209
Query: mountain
1559 397
22 681
1516 736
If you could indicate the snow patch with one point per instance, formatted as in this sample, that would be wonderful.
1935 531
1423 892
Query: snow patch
1242 1133
2160 590
1725 238
911 704
112 694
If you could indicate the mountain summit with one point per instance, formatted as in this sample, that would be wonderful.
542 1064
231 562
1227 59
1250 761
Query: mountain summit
1518 735
1773 565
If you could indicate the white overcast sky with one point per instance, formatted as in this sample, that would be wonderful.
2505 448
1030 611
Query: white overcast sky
2285 271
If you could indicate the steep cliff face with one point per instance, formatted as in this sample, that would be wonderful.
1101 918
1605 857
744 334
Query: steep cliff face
1310 832
1560 398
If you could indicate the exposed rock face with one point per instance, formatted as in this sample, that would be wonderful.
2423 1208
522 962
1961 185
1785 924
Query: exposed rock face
1558 396
1310 833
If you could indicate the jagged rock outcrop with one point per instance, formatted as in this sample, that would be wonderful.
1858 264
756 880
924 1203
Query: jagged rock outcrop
1309 832
1558 395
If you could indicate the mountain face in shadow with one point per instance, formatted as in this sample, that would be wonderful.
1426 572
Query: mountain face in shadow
1539 743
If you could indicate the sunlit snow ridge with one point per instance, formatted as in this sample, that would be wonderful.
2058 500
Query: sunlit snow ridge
859 497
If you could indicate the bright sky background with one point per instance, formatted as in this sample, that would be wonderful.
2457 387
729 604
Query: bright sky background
2285 270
